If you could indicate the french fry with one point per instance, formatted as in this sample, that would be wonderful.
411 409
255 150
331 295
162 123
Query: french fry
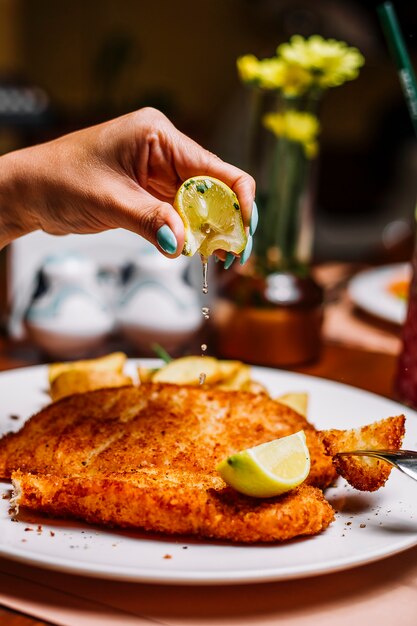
113 362
296 401
79 381
187 371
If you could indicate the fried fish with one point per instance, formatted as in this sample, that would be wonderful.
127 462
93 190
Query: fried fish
145 457
365 473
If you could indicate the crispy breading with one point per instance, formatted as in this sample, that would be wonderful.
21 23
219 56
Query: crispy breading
177 503
154 425
139 443
365 473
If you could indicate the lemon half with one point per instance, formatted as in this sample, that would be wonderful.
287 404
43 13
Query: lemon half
269 469
211 215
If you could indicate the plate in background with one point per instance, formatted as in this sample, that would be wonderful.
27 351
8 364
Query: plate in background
369 290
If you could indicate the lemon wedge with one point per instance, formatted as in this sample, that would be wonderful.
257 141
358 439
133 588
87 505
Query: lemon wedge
269 469
211 215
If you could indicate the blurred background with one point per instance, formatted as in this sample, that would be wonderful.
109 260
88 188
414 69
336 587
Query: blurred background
87 61
68 64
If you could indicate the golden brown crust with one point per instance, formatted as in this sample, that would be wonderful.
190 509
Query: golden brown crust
141 501
154 425
365 473
146 456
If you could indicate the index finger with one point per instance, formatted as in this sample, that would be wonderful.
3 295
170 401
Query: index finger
242 183
193 160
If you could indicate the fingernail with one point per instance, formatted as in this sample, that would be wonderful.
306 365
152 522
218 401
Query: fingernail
166 239
229 260
253 219
247 251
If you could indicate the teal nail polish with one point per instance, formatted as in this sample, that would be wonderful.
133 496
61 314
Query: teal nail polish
166 239
247 251
229 260
253 219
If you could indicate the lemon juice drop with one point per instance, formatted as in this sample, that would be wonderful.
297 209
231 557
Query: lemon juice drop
205 309
204 262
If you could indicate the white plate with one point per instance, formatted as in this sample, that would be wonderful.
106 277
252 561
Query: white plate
368 527
369 290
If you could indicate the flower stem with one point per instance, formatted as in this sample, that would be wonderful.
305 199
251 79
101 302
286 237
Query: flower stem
283 209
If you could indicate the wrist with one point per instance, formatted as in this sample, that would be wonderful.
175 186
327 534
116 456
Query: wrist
16 219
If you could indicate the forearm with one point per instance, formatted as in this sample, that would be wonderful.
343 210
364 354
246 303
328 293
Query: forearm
16 219
120 174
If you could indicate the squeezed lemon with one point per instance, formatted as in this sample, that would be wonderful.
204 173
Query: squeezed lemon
211 215
269 469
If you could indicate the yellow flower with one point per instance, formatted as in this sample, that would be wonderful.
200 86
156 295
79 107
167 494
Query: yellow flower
248 68
273 73
330 62
296 126
293 80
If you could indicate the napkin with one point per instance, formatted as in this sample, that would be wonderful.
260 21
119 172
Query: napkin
24 590
380 592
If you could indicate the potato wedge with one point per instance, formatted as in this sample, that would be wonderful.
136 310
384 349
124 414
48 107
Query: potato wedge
187 371
146 374
80 381
113 362
254 387
296 401
239 380
228 368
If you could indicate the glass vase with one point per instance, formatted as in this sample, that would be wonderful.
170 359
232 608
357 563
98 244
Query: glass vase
285 235
270 311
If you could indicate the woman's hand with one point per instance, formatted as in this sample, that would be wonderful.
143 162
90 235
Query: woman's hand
120 174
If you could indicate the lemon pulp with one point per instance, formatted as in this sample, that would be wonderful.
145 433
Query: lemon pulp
269 469
211 215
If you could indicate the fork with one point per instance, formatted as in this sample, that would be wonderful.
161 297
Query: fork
404 460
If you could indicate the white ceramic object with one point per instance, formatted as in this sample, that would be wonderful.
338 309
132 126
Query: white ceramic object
70 318
111 249
158 305
367 527
369 290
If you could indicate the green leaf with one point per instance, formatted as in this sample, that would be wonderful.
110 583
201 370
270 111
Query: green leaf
161 353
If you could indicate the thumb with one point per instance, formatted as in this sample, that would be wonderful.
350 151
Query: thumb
156 221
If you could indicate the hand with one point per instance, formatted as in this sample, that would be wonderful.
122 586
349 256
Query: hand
123 173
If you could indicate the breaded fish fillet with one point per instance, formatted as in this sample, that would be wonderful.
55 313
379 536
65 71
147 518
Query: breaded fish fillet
162 504
146 456
365 473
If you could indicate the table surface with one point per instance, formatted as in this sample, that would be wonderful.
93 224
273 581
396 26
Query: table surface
358 366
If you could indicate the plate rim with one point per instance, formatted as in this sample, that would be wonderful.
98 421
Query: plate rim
356 283
198 579
215 577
